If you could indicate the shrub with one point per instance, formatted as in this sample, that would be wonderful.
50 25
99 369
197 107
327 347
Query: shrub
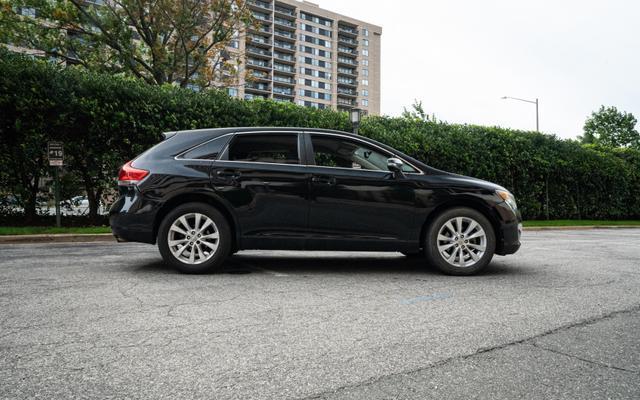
105 120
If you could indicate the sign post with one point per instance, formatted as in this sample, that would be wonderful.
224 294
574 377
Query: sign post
56 159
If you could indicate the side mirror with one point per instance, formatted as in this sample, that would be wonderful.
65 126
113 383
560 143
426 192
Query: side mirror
395 165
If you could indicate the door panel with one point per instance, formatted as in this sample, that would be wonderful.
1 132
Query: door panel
355 204
270 199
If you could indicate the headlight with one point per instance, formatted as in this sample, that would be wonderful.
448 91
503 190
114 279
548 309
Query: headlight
508 198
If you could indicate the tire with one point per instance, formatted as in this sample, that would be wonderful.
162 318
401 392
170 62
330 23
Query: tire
480 242
199 254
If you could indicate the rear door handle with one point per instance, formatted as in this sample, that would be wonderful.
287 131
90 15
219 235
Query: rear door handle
323 180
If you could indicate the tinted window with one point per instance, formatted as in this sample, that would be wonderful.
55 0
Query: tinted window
209 150
331 151
268 148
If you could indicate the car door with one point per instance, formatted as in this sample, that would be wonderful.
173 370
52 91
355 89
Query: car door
355 202
262 175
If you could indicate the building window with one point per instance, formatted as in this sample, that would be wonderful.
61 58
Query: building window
365 63
365 42
365 92
365 102
365 72
365 82
365 32
365 52
233 92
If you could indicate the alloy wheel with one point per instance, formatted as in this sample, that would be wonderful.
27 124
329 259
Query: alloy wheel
193 238
461 241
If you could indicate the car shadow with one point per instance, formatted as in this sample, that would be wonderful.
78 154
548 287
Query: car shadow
292 264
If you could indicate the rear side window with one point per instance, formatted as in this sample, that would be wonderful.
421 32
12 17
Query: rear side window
266 148
210 150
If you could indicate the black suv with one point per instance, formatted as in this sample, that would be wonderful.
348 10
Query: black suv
205 194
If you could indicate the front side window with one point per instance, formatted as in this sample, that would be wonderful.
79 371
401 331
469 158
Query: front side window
266 148
329 151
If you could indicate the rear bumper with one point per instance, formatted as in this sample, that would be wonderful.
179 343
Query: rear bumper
132 220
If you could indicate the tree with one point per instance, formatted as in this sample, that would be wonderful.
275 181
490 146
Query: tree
611 128
160 41
417 112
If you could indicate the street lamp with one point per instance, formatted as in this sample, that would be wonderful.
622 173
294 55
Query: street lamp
527 101
355 119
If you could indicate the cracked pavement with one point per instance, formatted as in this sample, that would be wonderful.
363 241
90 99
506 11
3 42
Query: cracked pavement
559 319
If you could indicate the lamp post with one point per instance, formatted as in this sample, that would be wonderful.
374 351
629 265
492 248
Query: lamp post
528 101
355 119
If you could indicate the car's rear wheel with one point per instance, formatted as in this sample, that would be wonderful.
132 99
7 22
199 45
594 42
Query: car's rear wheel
194 238
460 241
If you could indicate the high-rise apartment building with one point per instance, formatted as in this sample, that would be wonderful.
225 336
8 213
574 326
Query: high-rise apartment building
299 52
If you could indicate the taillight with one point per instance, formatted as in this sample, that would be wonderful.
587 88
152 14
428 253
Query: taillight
131 176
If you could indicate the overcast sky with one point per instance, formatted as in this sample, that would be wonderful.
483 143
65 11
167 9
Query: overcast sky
463 55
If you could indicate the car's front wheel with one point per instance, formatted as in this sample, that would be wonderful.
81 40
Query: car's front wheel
194 238
460 241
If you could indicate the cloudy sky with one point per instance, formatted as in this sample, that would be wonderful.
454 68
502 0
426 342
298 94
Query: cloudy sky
574 55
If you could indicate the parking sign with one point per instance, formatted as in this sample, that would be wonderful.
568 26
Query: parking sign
56 154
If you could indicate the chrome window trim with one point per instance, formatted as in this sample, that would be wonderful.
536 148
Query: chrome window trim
420 172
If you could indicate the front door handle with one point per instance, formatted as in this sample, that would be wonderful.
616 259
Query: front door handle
323 180
229 174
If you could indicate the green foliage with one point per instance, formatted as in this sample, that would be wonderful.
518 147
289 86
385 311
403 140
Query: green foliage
609 127
105 121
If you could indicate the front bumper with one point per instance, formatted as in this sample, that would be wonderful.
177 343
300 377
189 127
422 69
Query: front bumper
510 230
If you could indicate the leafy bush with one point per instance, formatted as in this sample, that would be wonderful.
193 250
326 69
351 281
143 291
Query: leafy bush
105 120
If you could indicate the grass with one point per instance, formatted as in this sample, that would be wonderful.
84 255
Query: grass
581 222
41 230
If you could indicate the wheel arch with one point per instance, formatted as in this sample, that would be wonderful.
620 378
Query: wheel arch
209 199
471 203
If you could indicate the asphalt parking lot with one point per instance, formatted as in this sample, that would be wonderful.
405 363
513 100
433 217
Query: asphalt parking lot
560 319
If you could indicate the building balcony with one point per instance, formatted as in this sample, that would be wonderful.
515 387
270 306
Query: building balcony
347 61
288 58
261 16
346 102
347 71
347 50
347 40
280 45
283 68
251 96
348 30
286 80
258 51
347 82
289 12
347 92
285 34
259 40
284 91
259 87
261 5
262 28
259 75
284 22
259 64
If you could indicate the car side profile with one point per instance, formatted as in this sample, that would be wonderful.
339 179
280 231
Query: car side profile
202 195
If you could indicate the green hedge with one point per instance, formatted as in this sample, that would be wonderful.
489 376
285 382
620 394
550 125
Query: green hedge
106 120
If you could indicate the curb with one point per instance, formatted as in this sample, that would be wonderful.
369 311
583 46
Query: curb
108 237
578 228
58 238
